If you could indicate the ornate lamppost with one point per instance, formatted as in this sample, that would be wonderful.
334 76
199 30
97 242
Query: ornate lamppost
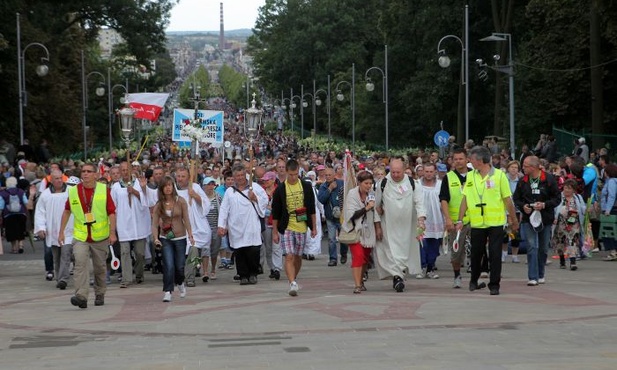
41 71
251 130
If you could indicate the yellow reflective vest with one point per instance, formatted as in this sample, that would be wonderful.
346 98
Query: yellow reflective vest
99 229
484 196
455 188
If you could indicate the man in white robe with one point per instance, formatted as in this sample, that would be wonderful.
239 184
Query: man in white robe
239 218
199 206
47 219
400 213
133 224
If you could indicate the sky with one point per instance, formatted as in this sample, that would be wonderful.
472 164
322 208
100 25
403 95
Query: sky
203 15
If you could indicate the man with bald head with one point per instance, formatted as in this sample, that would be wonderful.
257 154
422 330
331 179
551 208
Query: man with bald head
536 191
400 215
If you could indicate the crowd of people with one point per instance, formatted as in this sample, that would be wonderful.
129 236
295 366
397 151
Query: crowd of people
269 206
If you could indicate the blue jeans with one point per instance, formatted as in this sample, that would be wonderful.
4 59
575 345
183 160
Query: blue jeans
537 250
48 257
174 259
429 251
333 228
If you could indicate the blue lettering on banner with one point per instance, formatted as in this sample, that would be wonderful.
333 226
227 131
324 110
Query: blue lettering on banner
213 120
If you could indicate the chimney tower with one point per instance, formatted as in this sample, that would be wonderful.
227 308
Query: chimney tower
222 31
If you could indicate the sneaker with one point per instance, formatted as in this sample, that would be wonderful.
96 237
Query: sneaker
99 300
311 257
343 259
182 290
332 263
432 275
399 284
213 275
191 284
277 274
79 301
503 256
167 297
532 283
61 285
541 281
476 286
421 275
484 275
293 289
244 281
515 259
271 276
252 279
49 276
458 283
205 278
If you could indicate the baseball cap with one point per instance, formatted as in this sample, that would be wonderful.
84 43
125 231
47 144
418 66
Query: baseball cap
268 176
208 180
442 167
321 167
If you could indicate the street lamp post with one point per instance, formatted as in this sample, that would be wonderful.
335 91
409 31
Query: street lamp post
318 103
292 106
444 62
110 104
304 105
41 71
100 91
509 70
341 97
370 87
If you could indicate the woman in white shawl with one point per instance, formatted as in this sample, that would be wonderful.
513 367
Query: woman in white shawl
358 210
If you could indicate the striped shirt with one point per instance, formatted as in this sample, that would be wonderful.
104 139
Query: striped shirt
213 215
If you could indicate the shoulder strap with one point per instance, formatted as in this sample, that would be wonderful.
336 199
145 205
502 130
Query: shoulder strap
253 204
411 181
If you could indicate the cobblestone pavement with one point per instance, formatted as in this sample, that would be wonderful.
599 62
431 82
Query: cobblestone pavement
568 323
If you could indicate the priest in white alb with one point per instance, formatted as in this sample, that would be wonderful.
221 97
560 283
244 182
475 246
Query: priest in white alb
199 206
400 214
47 219
133 223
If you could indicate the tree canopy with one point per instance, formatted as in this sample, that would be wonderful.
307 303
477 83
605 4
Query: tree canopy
65 28
298 41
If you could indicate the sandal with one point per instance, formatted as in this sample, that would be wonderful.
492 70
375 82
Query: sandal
357 290
363 288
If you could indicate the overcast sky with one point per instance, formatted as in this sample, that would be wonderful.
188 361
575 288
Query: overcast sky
203 15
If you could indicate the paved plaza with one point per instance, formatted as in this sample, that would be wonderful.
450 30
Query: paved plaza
568 323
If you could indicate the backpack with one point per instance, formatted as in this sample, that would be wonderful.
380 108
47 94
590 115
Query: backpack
385 180
14 203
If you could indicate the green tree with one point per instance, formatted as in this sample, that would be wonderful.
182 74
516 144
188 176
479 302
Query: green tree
54 108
